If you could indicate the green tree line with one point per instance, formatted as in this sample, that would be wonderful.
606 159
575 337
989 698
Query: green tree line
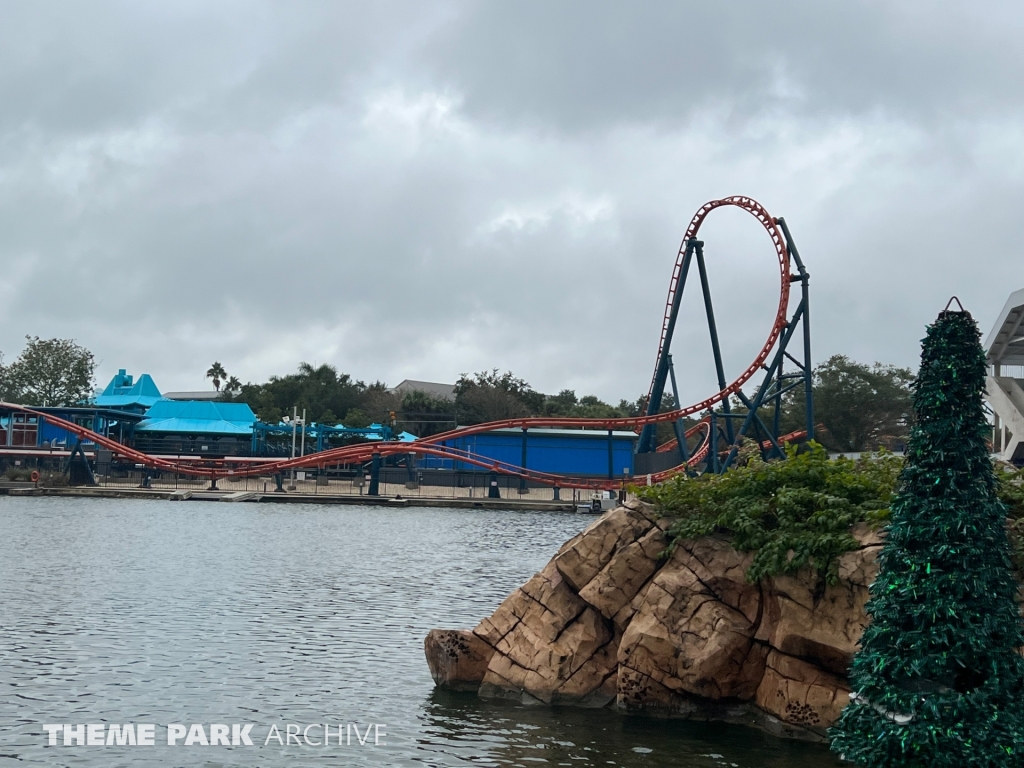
857 407
330 397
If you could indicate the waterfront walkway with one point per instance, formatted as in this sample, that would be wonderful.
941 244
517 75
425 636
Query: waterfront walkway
290 497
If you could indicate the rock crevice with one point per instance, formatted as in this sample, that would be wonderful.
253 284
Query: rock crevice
609 622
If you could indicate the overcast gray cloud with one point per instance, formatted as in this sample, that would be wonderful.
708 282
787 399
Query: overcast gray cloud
423 189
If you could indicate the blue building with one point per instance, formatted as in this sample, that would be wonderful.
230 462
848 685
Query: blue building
113 413
125 394
134 412
196 426
575 452
28 431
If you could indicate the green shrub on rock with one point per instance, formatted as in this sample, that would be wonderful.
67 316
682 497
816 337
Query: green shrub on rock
806 507
793 513
1010 487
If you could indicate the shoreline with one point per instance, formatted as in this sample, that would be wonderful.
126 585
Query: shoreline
29 489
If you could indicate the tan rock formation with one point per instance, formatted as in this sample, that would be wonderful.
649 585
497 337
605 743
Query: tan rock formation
696 635
608 620
801 694
457 659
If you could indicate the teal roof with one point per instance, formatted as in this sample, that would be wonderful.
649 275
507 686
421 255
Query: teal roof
198 417
122 392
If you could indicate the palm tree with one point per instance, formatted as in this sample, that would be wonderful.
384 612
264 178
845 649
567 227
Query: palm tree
218 374
232 384
323 374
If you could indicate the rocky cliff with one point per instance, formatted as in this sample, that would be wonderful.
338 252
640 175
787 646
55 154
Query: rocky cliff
607 622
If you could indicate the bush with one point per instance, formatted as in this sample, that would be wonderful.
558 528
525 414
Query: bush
17 474
791 514
800 512
53 480
1010 487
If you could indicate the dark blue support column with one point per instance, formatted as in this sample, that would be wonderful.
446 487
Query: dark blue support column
713 442
684 450
78 452
760 438
611 456
522 480
805 300
493 492
374 476
808 370
647 435
760 425
778 402
763 389
715 347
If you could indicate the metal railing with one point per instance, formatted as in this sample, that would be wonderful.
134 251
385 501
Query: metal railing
341 482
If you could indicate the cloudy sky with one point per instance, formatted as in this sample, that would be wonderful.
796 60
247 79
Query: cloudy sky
421 189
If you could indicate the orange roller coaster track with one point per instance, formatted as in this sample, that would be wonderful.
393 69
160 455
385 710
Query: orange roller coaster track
719 433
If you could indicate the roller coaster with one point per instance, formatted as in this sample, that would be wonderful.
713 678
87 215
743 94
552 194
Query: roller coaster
728 418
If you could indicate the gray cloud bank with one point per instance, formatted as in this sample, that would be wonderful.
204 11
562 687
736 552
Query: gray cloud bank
422 189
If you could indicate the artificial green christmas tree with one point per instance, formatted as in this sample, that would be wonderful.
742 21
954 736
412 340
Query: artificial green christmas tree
938 680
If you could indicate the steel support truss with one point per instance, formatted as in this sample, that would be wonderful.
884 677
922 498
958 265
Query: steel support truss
727 427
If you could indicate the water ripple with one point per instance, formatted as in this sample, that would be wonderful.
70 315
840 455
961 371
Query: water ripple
199 612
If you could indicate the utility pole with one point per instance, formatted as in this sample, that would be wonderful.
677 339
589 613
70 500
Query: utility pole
302 450
295 417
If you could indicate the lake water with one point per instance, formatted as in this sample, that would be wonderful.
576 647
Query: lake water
124 611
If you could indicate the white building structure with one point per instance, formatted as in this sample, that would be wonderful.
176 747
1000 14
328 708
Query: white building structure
1004 348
